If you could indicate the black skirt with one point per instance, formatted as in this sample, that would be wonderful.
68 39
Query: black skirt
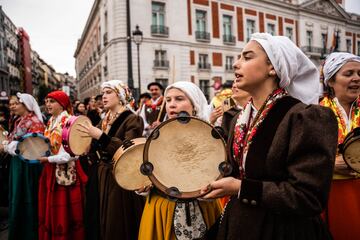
244 222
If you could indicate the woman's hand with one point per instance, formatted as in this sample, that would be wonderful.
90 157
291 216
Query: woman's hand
155 124
144 191
223 187
215 114
339 160
90 130
43 159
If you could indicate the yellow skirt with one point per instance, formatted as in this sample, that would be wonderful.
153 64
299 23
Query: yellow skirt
157 218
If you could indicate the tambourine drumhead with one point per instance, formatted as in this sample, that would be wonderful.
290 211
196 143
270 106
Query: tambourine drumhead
351 150
33 146
79 142
127 164
185 156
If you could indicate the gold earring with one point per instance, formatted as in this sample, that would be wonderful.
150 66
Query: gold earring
272 73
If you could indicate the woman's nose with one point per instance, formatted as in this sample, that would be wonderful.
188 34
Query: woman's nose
236 64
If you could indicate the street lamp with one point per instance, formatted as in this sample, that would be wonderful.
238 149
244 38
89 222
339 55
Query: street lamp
138 38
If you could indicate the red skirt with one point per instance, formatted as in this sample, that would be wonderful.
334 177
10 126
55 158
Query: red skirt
343 213
61 208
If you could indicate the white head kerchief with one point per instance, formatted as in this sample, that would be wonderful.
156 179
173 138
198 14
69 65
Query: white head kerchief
196 96
122 91
30 103
335 61
297 74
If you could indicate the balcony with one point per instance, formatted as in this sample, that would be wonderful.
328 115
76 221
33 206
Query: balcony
316 51
161 64
202 36
98 49
204 66
105 39
159 31
229 39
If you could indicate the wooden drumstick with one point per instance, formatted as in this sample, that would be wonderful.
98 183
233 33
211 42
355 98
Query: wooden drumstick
161 110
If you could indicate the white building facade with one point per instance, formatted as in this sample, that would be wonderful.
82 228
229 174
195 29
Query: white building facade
198 40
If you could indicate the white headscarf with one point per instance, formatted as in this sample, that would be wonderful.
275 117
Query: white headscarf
196 96
297 74
335 61
30 103
122 91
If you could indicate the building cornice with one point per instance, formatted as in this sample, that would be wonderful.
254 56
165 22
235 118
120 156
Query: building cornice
178 43
93 12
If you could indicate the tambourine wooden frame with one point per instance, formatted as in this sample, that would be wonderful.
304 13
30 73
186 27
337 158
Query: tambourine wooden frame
66 135
121 152
39 135
353 136
167 189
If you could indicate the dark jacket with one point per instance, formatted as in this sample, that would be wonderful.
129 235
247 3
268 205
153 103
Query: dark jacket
112 212
285 187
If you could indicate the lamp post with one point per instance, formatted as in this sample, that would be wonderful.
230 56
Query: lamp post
138 38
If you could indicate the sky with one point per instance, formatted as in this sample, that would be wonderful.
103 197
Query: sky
54 26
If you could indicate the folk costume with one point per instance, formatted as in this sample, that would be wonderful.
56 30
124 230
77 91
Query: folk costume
151 109
113 212
62 184
283 153
24 177
343 211
168 220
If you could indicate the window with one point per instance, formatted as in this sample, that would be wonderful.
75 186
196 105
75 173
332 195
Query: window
250 28
228 37
161 59
158 13
309 38
201 21
163 81
105 67
324 43
203 61
227 24
289 33
348 45
358 48
204 86
271 28
229 61
160 55
106 21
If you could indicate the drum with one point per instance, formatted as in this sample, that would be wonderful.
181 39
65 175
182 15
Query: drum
75 142
183 155
350 149
32 146
127 161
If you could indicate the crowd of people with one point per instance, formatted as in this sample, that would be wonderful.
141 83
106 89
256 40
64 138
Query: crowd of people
288 180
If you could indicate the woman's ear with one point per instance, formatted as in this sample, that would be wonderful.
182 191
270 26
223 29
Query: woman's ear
331 82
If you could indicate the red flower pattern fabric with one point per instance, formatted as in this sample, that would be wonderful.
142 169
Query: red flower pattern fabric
246 127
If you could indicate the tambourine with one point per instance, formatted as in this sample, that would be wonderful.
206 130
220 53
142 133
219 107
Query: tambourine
127 162
75 142
32 146
183 155
350 149
3 134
